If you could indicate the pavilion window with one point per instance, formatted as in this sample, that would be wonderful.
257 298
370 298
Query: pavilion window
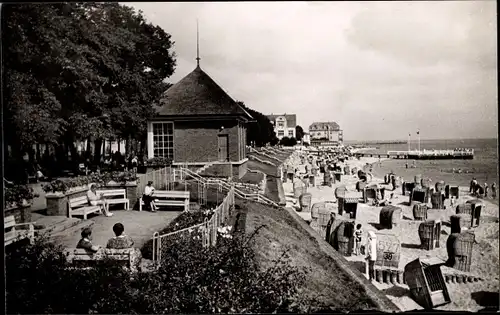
290 133
281 133
163 139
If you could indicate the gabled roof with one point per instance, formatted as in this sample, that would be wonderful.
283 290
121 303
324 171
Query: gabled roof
323 126
291 120
197 94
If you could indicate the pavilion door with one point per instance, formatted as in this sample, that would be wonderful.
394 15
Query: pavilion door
222 145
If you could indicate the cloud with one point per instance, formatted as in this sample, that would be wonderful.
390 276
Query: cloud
380 69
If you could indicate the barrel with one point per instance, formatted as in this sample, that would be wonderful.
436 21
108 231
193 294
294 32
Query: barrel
360 185
340 192
460 222
390 216
477 207
344 242
305 202
440 186
459 247
437 200
420 211
429 233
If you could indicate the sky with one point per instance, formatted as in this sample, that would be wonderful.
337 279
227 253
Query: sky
381 70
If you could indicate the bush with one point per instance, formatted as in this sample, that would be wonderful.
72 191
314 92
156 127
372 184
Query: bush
16 194
104 178
288 142
190 279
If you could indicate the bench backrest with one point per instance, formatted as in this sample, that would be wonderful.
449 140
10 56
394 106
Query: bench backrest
78 254
112 193
78 202
9 221
171 194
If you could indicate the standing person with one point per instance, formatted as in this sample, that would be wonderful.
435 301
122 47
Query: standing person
120 241
95 200
86 241
358 234
473 184
494 191
134 164
486 190
371 254
147 197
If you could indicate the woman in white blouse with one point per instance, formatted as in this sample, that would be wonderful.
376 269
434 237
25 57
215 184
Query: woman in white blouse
95 200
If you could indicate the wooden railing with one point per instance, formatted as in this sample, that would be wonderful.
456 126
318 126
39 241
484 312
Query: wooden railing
206 232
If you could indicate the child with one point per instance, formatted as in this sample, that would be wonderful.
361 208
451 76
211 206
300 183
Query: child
358 234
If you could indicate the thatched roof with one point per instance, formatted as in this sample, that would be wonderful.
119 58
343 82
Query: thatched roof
198 95
291 120
325 126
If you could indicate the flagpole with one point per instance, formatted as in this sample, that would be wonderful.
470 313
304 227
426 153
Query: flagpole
418 133
409 140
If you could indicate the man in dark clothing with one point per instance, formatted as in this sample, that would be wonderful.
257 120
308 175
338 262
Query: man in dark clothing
86 241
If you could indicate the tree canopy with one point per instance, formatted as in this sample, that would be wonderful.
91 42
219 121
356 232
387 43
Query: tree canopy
261 131
76 71
299 132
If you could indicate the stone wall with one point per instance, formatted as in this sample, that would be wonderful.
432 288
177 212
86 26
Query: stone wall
57 203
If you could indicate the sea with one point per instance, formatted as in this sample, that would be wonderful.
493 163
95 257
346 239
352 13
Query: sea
484 166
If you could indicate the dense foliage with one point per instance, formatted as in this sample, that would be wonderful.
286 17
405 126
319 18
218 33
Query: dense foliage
299 133
261 131
19 194
59 185
159 161
191 279
76 71
288 142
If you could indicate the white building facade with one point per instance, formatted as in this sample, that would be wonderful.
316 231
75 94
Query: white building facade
326 132
284 125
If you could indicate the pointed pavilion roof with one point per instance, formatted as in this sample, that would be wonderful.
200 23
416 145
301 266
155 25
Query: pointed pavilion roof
197 94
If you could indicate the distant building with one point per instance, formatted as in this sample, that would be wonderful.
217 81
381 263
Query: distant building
325 133
284 125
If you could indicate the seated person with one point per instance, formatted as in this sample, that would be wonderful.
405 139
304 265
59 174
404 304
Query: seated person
86 241
120 241
95 200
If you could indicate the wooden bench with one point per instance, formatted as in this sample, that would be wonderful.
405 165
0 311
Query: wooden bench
80 206
169 198
12 234
115 196
81 258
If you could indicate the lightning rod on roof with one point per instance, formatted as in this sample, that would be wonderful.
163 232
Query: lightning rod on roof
197 44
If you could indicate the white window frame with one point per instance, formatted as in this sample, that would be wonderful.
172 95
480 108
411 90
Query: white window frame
290 133
153 123
281 133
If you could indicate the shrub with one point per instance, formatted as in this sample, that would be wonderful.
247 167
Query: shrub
16 194
104 178
159 161
190 279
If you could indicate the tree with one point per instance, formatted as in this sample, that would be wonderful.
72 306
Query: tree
80 71
262 130
299 133
288 142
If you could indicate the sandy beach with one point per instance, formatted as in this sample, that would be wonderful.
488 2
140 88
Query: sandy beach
464 296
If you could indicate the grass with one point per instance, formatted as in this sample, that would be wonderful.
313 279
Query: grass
251 178
328 283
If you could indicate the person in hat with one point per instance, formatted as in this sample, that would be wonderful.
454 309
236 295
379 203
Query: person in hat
86 241
96 200
371 254
147 197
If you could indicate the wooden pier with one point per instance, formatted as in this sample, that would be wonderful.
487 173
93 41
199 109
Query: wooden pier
467 154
